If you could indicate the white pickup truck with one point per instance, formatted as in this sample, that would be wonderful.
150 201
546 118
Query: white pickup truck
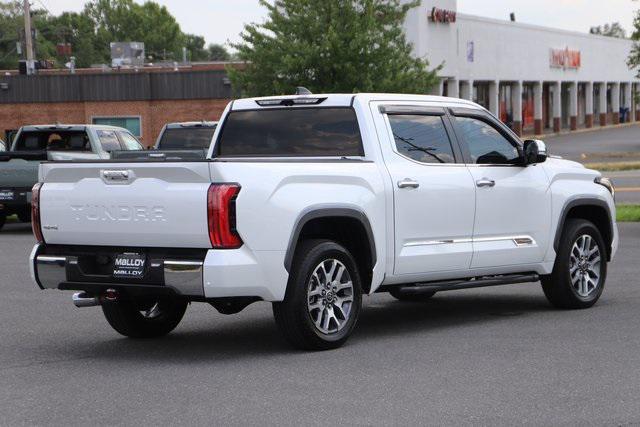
310 202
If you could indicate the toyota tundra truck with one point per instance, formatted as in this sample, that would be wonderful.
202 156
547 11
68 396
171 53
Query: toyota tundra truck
311 202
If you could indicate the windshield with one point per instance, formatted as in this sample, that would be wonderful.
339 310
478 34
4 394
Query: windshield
53 140
187 138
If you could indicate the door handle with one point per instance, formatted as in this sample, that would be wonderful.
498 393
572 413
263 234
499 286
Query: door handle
116 175
485 182
408 183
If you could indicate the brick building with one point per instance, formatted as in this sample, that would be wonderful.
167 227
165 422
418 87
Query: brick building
141 100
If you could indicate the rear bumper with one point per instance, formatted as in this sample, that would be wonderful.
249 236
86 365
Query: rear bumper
20 199
59 270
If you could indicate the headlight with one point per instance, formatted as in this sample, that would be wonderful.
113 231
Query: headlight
606 182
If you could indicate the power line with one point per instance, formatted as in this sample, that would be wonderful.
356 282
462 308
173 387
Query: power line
45 7
8 54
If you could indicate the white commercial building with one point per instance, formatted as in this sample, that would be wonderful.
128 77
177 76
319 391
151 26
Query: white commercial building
533 77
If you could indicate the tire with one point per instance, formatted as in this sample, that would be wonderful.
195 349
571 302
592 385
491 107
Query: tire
587 272
3 219
400 295
313 317
160 318
24 215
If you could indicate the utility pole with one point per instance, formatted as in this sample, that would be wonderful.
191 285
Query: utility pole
27 37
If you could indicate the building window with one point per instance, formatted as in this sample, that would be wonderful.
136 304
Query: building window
132 124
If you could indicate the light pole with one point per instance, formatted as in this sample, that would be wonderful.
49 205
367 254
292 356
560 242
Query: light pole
28 39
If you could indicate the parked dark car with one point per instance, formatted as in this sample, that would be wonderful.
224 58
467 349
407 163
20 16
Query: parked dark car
186 136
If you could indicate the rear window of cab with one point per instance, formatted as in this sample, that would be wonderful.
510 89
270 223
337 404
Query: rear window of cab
291 132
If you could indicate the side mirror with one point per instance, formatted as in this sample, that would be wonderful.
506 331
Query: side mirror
535 151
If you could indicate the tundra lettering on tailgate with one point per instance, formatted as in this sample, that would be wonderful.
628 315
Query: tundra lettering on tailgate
119 213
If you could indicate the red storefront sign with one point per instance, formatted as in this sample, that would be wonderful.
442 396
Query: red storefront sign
442 16
565 58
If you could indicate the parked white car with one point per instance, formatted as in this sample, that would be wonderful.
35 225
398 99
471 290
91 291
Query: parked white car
35 144
310 202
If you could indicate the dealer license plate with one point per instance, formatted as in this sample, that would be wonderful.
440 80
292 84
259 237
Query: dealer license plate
6 195
129 266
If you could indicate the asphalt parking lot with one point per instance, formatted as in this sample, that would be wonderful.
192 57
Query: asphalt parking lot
597 145
606 145
496 356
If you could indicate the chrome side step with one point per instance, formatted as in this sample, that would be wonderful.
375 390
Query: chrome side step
475 282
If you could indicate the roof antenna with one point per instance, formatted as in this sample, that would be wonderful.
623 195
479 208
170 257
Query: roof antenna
301 90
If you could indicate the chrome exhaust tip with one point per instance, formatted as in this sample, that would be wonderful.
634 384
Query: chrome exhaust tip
82 299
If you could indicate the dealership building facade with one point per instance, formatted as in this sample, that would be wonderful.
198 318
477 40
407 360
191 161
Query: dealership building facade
537 79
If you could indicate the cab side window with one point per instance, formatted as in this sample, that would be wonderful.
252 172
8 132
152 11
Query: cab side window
486 145
129 141
108 140
421 138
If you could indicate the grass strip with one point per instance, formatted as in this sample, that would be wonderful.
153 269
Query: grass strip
614 166
628 213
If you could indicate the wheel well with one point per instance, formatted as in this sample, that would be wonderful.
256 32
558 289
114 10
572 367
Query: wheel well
351 233
599 216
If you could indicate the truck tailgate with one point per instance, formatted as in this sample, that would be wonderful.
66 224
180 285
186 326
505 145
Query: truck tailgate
125 204
18 173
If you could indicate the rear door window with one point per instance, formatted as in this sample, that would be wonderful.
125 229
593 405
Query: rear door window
422 138
291 132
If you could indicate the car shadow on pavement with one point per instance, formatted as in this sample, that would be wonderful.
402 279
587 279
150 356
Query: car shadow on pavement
445 310
16 229
251 337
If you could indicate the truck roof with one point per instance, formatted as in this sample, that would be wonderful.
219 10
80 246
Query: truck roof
346 100
71 127
180 125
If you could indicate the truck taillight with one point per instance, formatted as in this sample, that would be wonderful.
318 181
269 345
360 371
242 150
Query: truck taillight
221 214
35 213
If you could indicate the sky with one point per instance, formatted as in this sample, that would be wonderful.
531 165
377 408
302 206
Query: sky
221 21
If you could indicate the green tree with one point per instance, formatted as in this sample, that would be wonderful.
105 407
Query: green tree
634 57
76 29
195 47
11 33
610 30
127 21
330 46
217 52
91 32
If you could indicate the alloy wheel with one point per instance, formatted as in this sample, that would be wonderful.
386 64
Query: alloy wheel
330 296
584 265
